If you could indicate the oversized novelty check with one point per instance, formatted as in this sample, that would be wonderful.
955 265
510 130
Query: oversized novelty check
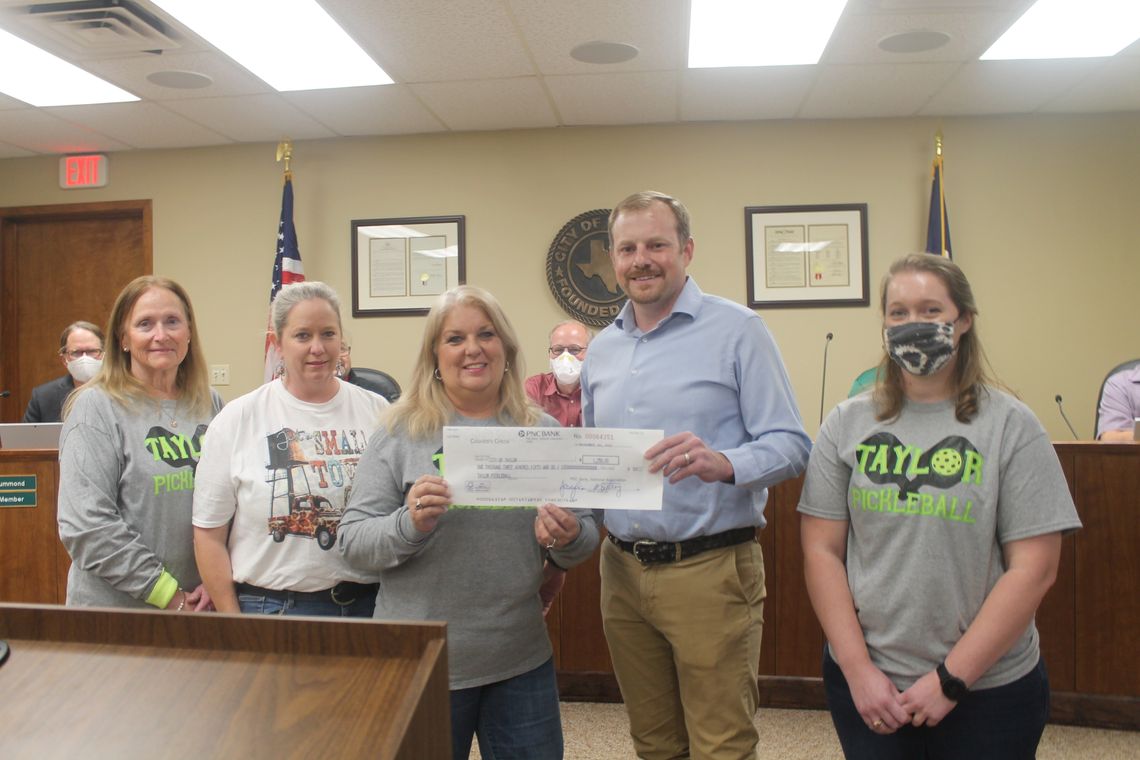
585 468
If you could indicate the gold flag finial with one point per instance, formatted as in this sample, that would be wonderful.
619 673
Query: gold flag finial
285 153
937 144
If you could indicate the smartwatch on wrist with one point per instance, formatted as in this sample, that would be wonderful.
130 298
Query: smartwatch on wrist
953 688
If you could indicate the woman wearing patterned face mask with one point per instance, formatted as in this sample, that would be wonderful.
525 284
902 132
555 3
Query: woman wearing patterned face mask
81 353
932 515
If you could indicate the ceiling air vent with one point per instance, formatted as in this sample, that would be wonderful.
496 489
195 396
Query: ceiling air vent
101 27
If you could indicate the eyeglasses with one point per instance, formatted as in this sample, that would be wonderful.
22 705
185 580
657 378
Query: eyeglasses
94 353
556 351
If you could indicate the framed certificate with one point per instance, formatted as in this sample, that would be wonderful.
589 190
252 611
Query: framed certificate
400 266
807 255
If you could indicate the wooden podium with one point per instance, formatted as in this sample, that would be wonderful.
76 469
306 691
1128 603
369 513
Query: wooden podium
33 562
111 683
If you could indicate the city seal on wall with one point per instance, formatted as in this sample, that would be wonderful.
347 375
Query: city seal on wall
580 273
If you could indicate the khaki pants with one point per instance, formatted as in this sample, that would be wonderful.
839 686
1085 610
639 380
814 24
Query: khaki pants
685 642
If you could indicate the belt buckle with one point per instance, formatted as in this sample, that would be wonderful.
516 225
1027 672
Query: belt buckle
645 545
337 600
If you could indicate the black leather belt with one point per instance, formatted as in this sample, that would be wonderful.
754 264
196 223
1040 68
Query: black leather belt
343 593
659 552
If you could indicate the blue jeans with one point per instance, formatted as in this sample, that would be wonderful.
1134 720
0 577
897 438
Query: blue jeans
258 604
514 719
1002 723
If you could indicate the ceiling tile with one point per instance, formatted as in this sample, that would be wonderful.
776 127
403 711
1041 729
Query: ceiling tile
853 92
385 110
489 104
229 78
38 131
552 28
856 37
1115 86
990 87
770 92
256 118
140 125
423 41
626 98
11 151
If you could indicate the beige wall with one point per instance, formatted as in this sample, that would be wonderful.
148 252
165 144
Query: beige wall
1042 211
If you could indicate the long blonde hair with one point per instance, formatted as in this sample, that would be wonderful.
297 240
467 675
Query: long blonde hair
115 378
424 408
972 372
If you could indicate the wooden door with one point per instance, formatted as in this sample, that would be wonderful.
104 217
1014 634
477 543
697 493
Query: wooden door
59 264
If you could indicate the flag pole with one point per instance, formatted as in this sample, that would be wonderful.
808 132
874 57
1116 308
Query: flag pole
937 146
285 153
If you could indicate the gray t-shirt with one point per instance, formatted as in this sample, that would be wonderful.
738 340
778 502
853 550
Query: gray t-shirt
479 570
930 502
126 487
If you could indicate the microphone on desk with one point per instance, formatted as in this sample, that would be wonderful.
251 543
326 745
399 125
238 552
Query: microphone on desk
823 380
1066 419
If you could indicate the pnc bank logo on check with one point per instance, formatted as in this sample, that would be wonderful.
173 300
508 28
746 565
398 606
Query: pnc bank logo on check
539 433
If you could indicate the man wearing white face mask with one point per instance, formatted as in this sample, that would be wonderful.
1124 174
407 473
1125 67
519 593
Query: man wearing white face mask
81 352
559 391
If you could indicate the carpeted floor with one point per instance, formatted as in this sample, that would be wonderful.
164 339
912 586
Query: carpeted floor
600 732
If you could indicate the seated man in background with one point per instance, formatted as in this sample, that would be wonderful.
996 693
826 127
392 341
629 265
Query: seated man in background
1119 406
558 392
81 352
345 373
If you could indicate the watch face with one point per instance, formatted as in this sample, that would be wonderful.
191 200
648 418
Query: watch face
952 687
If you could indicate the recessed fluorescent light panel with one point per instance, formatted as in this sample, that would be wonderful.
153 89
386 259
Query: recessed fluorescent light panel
1069 29
760 32
40 79
291 44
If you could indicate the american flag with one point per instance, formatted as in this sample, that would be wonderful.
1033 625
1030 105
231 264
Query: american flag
938 223
286 269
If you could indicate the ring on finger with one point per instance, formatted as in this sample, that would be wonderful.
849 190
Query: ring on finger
419 506
552 544
688 460
877 723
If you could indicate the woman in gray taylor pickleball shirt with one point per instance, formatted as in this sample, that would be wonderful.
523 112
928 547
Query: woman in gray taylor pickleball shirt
932 514
128 450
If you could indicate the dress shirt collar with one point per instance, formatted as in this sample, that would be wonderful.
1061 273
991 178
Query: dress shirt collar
688 302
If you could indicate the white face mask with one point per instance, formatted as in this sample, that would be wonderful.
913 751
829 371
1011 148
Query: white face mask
84 368
566 368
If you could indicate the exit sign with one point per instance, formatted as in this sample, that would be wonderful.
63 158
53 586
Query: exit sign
88 170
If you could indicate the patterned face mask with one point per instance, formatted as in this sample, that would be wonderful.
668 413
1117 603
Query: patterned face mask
921 348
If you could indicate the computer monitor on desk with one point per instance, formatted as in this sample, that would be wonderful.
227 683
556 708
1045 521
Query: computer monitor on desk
30 435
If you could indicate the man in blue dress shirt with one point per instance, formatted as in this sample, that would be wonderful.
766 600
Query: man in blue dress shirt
683 588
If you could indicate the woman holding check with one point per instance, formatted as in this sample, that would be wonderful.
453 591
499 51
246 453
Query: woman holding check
478 569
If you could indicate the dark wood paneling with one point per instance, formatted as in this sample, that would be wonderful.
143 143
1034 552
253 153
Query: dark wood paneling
1108 569
796 633
1056 617
33 563
583 645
